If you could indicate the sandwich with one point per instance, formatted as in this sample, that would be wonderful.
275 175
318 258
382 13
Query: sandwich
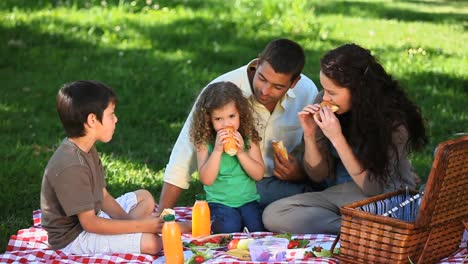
333 107
167 211
279 148
230 147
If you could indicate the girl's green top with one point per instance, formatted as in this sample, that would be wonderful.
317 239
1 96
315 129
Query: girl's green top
233 187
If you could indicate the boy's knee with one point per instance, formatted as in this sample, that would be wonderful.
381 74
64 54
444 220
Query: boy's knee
144 195
150 244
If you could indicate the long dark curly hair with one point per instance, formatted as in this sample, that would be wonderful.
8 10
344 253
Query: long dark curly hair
215 96
379 106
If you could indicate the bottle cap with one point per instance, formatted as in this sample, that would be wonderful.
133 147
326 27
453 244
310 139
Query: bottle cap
201 197
168 218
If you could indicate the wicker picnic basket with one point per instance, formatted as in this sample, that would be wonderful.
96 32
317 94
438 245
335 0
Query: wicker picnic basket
436 233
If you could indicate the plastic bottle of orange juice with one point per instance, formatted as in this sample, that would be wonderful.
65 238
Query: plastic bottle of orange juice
201 225
172 241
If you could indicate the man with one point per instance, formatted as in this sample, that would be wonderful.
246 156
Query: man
278 91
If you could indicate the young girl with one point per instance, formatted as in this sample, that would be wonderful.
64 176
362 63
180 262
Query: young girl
360 151
229 181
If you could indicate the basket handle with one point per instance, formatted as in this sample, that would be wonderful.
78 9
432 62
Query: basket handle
337 239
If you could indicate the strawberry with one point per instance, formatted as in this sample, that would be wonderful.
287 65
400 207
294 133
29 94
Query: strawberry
233 244
308 255
197 243
199 259
293 244
317 248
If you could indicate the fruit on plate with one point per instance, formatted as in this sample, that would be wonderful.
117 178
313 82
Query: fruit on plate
212 241
240 243
241 254
233 244
199 256
244 243
298 243
318 251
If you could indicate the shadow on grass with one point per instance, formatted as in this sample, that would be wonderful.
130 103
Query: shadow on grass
382 11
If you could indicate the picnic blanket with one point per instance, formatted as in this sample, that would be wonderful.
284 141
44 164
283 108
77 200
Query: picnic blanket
30 246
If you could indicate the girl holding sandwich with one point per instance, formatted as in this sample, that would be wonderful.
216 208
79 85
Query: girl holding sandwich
229 158
360 150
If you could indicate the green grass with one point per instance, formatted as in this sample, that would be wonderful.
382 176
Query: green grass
158 56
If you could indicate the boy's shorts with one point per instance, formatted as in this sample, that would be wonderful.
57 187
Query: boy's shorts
91 243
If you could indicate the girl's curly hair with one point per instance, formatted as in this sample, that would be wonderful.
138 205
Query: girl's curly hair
215 96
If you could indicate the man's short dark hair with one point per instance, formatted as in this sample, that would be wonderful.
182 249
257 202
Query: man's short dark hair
76 100
285 56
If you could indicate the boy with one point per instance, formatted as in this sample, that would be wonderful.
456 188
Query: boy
74 197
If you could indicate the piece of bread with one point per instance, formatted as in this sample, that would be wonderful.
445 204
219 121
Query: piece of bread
333 108
278 147
167 211
230 147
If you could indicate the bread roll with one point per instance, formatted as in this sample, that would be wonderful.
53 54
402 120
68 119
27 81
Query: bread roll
230 147
278 147
167 211
333 108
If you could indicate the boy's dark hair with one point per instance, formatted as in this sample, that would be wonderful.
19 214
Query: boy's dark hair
76 100
285 56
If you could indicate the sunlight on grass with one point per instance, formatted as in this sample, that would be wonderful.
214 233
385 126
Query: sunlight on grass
122 171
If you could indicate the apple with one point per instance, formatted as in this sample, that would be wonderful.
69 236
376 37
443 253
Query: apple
233 244
244 243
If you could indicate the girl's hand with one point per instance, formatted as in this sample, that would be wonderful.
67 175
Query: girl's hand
306 118
239 141
220 140
330 125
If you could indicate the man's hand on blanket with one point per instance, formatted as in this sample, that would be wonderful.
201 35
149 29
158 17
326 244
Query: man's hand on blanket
288 169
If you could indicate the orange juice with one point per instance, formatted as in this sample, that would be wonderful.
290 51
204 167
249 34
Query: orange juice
172 241
201 225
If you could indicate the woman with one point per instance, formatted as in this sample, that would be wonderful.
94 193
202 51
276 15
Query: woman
360 150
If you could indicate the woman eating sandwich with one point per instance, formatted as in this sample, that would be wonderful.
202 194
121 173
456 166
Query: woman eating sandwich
357 141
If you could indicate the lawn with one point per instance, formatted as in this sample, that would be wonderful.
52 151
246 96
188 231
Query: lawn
157 55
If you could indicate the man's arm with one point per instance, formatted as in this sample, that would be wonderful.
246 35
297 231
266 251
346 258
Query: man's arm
293 169
179 168
169 196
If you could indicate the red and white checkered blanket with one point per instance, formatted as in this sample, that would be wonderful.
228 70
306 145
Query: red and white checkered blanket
30 246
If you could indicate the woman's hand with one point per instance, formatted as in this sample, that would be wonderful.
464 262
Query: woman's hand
306 118
330 125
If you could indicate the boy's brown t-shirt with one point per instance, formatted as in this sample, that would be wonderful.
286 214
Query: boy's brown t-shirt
72 183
